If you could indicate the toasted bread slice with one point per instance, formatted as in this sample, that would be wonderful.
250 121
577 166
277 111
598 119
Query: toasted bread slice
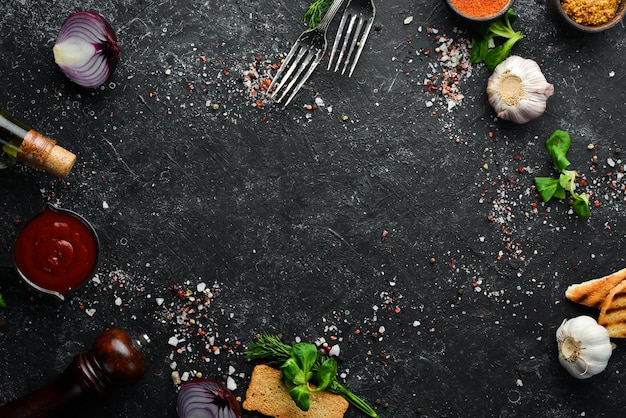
268 395
593 293
613 312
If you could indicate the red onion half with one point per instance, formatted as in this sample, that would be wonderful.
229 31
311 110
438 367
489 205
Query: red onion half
86 49
206 398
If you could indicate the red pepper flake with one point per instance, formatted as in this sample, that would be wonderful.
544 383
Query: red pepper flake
520 169
226 71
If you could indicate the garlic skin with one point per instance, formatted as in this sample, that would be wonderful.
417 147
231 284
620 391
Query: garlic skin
584 346
518 90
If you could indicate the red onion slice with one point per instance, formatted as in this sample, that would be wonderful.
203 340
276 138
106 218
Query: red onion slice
86 49
206 398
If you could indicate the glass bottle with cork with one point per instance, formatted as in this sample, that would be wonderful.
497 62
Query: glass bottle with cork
20 142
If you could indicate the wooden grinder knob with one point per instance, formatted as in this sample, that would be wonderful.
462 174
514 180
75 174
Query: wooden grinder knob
112 361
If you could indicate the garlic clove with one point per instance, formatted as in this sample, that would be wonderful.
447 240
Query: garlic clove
518 90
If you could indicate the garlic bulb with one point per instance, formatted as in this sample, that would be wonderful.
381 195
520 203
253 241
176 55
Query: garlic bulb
584 346
517 90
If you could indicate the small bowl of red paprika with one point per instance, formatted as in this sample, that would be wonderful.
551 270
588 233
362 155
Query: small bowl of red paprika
480 11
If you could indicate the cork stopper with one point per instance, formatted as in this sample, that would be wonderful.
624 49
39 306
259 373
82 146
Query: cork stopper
40 152
59 162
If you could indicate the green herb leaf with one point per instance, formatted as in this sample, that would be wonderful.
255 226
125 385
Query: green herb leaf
326 372
581 206
305 355
547 187
557 145
495 56
315 12
300 395
481 52
3 304
292 373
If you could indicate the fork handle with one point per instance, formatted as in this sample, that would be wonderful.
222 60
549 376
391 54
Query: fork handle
330 14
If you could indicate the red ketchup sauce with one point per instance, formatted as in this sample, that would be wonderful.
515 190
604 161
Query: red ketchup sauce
56 251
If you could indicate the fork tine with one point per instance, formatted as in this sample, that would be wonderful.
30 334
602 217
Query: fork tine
335 50
349 37
311 61
357 55
344 47
287 67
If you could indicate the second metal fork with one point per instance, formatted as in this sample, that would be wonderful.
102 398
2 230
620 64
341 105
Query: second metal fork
304 56
359 16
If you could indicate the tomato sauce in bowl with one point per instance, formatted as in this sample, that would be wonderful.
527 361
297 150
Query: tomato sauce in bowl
56 251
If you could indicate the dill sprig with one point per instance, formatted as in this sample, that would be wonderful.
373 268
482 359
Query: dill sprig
315 12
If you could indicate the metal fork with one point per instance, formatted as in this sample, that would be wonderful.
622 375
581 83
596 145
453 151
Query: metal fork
359 16
303 57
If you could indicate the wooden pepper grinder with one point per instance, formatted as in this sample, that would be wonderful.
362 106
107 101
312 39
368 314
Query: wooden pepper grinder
113 361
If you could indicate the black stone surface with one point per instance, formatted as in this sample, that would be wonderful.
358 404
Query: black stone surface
452 314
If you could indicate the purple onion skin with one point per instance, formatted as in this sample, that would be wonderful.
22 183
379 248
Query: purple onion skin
206 398
95 29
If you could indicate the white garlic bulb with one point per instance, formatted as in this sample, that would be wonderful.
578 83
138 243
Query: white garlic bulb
584 346
518 90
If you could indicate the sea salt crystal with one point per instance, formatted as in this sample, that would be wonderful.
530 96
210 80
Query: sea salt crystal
173 341
201 287
408 20
118 301
334 351
230 383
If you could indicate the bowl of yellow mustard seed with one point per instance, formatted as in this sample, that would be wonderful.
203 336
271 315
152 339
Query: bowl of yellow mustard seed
590 15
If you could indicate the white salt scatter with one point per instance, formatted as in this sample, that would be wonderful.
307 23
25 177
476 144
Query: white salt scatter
168 71
381 329
118 301
105 205
408 20
612 74
90 311
231 370
176 377
201 287
185 376
173 365
159 301
416 323
319 102
334 351
610 162
173 341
